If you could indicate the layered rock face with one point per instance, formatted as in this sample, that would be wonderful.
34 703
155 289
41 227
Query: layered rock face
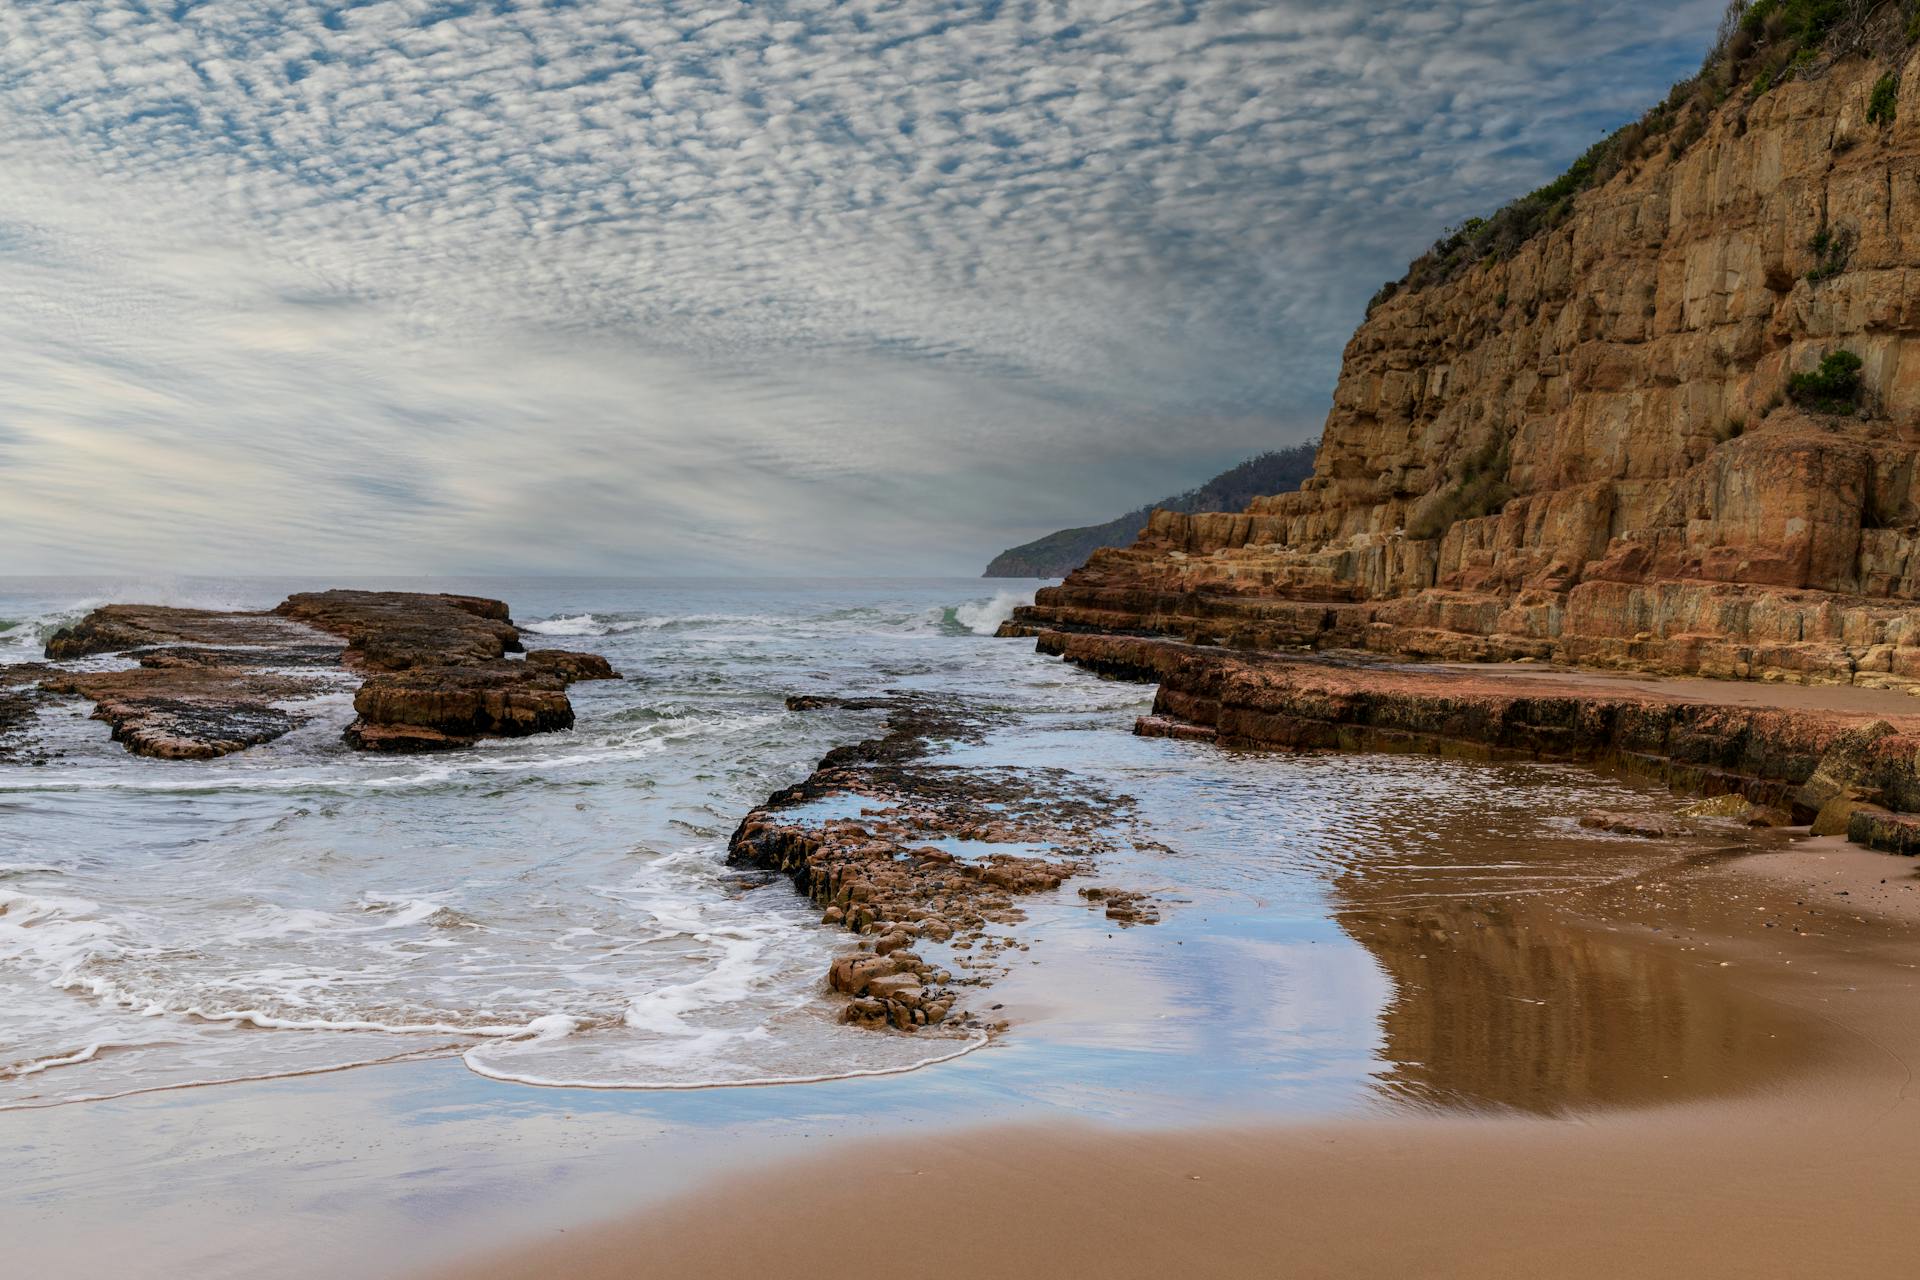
210 683
1586 452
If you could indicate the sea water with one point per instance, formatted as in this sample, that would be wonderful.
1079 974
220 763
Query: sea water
558 910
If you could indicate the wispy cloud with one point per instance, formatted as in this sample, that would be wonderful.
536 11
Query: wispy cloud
630 285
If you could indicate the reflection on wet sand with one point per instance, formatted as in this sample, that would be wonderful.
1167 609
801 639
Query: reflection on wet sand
1514 999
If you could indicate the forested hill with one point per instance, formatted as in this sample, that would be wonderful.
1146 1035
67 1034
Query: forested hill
1059 554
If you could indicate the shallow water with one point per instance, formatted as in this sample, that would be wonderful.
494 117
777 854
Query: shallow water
557 910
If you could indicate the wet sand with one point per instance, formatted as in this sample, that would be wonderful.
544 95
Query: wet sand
1799 1163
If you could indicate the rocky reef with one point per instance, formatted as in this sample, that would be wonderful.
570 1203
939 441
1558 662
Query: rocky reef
1846 771
908 853
432 672
1635 440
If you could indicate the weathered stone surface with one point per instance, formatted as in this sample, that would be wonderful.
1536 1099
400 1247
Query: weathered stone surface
568 666
189 713
207 683
397 630
1584 452
435 708
878 876
1860 765
436 672
250 638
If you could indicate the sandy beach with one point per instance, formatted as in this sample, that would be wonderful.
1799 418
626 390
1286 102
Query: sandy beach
1796 1170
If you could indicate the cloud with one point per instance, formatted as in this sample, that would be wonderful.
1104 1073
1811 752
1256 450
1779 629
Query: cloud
631 285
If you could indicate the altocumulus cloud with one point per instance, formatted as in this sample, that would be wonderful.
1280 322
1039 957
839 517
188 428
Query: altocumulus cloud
602 286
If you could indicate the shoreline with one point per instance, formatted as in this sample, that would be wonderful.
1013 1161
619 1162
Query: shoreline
1790 1170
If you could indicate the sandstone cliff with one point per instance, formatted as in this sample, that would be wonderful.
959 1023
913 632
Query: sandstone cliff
1585 449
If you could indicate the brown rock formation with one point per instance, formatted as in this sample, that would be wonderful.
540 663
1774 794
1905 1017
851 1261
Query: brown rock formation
877 875
188 713
569 667
1856 771
1584 451
399 630
432 708
210 683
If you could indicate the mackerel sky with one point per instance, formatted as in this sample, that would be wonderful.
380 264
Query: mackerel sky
638 287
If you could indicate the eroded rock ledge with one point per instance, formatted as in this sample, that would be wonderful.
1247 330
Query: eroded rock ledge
432 672
912 855
1852 772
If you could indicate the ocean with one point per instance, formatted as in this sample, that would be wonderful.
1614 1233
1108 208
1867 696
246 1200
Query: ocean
557 911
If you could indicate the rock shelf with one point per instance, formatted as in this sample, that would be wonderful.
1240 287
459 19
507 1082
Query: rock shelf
897 870
1845 769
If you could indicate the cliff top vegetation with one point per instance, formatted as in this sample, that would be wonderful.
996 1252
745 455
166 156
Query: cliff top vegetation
1762 44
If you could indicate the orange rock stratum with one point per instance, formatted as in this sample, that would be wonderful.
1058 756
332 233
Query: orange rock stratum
1586 451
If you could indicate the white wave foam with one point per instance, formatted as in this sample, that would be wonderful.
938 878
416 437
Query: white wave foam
583 624
477 1061
50 937
983 617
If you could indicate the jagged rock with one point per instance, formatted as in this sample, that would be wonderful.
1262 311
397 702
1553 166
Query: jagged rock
1123 906
1583 451
876 876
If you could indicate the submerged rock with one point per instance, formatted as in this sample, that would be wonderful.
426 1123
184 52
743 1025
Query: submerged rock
1648 826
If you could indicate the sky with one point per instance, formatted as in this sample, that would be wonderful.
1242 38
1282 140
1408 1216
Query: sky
633 287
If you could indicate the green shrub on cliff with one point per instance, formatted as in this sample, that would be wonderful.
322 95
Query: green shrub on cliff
1832 249
1478 487
1885 100
1832 388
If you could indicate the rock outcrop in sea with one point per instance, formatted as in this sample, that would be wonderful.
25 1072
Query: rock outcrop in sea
1677 432
912 854
432 672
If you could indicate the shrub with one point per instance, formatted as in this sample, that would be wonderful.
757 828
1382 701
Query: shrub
1478 487
1832 247
1883 102
1833 388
